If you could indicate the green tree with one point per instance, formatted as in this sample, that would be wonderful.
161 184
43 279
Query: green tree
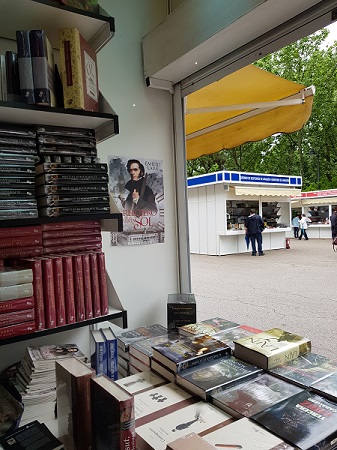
309 152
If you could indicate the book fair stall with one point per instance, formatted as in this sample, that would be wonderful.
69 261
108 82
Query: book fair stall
219 203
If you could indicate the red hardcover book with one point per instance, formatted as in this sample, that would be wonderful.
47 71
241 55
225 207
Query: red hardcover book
72 248
78 287
15 317
103 287
36 266
96 301
71 225
21 252
17 330
69 292
34 230
69 233
59 290
21 241
89 239
18 304
49 292
89 312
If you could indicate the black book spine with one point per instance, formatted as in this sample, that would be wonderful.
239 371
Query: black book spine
25 67
12 74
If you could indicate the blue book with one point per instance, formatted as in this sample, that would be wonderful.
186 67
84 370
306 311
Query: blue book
99 356
111 350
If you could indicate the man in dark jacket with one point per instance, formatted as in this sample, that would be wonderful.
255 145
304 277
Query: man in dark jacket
254 227
333 223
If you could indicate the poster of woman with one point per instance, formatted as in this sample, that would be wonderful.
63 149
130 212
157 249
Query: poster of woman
137 188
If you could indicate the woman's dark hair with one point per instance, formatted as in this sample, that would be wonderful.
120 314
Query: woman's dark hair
140 165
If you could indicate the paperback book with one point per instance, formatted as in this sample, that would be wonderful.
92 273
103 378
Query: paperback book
142 349
182 353
271 348
252 396
125 338
215 376
305 420
209 326
229 336
191 441
327 387
181 310
141 382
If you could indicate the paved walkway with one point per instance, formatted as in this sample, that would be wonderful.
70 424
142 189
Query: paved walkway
294 289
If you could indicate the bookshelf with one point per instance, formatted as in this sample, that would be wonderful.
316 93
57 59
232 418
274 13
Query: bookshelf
98 30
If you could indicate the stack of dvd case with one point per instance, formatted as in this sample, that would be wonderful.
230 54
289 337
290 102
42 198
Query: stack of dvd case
70 180
18 153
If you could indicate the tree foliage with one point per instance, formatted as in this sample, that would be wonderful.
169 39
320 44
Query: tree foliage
309 152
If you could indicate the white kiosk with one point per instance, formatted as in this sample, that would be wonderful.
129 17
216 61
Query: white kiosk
219 202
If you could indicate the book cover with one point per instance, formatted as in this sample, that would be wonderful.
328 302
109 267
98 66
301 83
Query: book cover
160 401
78 287
49 292
254 395
36 266
78 70
18 304
209 326
25 67
69 292
12 77
43 68
20 252
127 337
271 348
305 420
89 311
94 278
215 376
305 369
10 276
23 241
229 336
181 310
21 231
113 417
142 350
141 382
16 291
200 418
111 352
103 287
17 330
327 387
60 302
32 435
182 353
15 317
81 232
191 441
245 435
74 225
73 403
99 355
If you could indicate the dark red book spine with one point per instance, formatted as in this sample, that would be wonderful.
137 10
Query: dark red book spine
72 240
21 241
71 225
70 233
18 304
22 252
17 330
35 230
15 317
89 312
72 248
59 291
36 266
78 287
69 293
49 292
96 301
103 287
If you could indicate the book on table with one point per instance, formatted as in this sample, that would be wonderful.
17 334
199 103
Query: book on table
305 369
142 349
271 348
99 354
141 382
215 376
160 401
125 338
182 353
230 335
252 396
200 418
191 441
111 352
244 434
327 387
209 326
181 310
113 417
73 403
305 420
163 371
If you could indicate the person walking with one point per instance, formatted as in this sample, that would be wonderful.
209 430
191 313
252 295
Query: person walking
333 223
254 227
296 224
303 227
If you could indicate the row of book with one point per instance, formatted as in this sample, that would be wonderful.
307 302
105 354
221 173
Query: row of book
31 76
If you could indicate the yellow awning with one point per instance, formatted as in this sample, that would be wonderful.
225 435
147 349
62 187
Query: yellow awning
266 192
320 201
252 96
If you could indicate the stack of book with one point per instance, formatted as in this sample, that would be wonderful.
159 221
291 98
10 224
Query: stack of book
36 378
104 357
17 172
125 338
70 180
17 314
